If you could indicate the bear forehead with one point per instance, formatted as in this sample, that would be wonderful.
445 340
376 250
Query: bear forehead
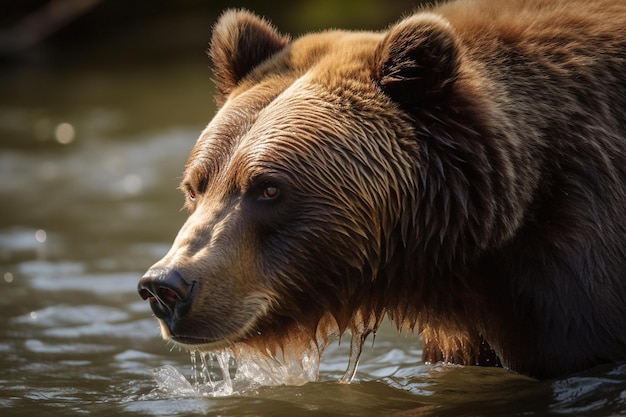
288 105
328 58
269 127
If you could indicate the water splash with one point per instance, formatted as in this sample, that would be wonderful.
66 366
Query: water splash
170 381
252 370
208 384
207 379
282 368
294 363
223 358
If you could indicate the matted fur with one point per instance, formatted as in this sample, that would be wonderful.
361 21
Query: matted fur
463 173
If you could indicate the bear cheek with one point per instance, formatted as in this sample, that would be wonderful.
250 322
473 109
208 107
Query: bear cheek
216 314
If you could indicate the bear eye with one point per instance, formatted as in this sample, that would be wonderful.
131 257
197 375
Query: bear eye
270 192
191 194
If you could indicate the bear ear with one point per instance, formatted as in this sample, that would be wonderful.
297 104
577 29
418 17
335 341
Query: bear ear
240 42
417 60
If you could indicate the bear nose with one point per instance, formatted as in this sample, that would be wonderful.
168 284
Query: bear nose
169 294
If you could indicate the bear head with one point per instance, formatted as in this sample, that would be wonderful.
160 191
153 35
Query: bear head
316 194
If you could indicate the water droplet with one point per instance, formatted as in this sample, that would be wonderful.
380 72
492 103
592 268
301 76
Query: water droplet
64 133
41 235
194 371
8 277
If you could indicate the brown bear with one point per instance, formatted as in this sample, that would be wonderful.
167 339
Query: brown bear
462 173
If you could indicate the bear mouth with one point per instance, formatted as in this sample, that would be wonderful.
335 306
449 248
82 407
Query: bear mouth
199 335
192 343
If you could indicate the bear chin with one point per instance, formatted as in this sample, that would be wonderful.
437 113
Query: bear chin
285 345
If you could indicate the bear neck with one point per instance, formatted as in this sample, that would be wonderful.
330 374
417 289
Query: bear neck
467 201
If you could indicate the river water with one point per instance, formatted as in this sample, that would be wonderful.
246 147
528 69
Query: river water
89 165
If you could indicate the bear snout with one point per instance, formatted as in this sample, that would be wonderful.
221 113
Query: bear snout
169 294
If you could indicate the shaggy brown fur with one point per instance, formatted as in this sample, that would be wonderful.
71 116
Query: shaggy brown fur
463 172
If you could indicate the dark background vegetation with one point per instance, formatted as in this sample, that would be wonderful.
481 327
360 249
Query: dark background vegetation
139 32
144 59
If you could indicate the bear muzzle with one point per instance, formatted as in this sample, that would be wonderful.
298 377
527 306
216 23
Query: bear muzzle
169 294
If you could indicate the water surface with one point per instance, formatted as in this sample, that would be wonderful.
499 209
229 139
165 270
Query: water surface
89 165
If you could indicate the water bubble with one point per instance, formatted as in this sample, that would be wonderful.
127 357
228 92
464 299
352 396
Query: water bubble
41 235
64 133
33 315
8 277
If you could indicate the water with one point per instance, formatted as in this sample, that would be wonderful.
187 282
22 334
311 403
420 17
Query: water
89 167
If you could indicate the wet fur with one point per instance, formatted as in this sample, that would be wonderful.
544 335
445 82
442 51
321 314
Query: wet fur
463 173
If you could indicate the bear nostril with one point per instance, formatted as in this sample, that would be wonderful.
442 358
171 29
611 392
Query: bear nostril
170 296
146 295
167 295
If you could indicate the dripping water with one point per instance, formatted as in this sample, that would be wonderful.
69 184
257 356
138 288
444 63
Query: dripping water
359 334
223 358
194 371
207 380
